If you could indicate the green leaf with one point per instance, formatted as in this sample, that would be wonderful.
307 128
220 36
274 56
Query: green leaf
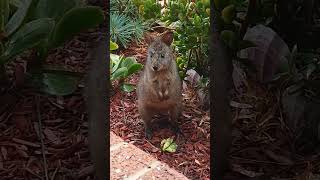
55 83
4 13
18 17
128 61
15 3
134 68
230 38
28 36
119 73
113 46
127 87
168 145
53 8
228 13
76 20
116 60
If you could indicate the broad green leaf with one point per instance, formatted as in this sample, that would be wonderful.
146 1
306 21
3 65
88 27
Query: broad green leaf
116 59
4 13
168 145
127 87
134 68
58 84
119 73
230 38
113 46
53 8
228 13
76 20
128 61
15 3
18 17
28 36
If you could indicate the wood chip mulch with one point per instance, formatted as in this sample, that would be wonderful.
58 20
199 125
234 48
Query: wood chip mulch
63 122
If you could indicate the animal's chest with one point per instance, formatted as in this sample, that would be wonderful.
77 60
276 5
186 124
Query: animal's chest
161 106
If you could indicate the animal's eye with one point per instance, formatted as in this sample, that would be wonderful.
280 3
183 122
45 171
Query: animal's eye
151 54
162 55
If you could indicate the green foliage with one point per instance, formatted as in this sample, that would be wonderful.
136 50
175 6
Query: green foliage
125 7
148 9
4 13
53 8
113 46
192 22
123 29
74 21
55 83
19 16
28 36
123 67
168 145
42 25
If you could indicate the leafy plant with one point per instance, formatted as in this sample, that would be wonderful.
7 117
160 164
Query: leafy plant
125 7
123 29
148 9
191 21
123 67
41 26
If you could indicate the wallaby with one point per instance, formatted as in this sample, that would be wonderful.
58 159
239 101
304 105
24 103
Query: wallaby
159 87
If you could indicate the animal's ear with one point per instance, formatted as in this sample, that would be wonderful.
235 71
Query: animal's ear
148 38
167 37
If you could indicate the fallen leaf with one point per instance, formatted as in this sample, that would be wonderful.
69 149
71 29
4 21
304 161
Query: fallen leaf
168 145
241 170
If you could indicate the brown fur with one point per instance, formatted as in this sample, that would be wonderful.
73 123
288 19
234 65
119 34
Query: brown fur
159 91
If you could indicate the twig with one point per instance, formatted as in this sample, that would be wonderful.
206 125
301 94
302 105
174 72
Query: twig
54 174
123 109
31 172
41 139
188 63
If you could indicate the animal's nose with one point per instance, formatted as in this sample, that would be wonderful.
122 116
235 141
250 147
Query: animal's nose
155 68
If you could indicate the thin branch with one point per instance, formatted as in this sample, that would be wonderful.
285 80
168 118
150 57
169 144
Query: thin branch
41 139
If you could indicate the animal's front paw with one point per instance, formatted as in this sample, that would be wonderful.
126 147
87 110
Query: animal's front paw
175 128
